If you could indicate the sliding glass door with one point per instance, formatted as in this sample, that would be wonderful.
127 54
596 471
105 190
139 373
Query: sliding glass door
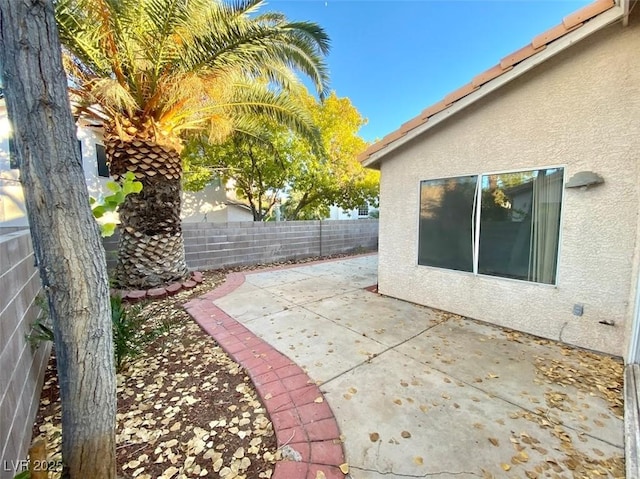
505 225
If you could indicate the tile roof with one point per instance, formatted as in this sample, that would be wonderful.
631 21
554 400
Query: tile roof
539 43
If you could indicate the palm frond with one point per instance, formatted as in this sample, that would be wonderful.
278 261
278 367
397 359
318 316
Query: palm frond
108 91
239 42
186 64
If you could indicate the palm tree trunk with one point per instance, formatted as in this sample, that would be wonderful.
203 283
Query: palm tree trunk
151 249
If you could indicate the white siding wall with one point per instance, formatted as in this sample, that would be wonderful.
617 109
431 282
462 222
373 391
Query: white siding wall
337 213
579 109
96 185
12 207
207 205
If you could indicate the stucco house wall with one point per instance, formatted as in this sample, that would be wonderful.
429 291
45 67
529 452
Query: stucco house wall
213 204
579 110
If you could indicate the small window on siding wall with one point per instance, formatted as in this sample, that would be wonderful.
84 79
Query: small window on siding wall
505 225
363 210
101 158
14 164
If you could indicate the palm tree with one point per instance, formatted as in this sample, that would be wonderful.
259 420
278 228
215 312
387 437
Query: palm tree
152 71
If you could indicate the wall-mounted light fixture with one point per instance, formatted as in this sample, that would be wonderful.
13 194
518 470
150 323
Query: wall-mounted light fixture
584 179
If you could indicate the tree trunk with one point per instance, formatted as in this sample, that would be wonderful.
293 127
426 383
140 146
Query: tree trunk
304 201
151 249
65 236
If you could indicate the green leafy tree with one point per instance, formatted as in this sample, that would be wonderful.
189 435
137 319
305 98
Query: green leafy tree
281 163
337 177
259 166
153 71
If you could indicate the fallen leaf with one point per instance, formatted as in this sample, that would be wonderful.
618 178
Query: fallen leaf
486 474
344 468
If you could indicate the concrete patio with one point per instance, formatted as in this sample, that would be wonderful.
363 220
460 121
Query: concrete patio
421 393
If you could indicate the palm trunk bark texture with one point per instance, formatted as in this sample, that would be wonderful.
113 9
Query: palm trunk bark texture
151 249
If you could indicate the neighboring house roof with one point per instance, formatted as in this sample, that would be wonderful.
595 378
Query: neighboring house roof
238 204
573 28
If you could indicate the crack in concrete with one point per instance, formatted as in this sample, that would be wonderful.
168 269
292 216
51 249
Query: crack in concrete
426 474
375 355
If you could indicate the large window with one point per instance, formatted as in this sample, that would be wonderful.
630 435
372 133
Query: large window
505 225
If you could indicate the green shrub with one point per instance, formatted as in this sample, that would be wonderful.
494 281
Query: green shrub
131 333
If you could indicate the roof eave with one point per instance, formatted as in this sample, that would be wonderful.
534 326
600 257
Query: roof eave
601 21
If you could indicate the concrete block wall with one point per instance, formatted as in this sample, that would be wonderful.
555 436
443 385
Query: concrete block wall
21 367
210 245
346 236
219 245
11 229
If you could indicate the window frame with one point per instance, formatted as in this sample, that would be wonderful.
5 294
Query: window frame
471 244
106 165
14 164
477 217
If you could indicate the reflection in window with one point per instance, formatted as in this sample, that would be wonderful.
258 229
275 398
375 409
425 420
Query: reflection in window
446 223
509 228
520 225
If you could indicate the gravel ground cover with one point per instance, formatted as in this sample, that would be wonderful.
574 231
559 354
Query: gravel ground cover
185 409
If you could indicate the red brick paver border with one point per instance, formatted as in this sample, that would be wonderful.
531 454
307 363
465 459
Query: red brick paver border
301 417
162 291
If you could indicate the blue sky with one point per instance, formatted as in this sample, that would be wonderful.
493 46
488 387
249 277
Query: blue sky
395 58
